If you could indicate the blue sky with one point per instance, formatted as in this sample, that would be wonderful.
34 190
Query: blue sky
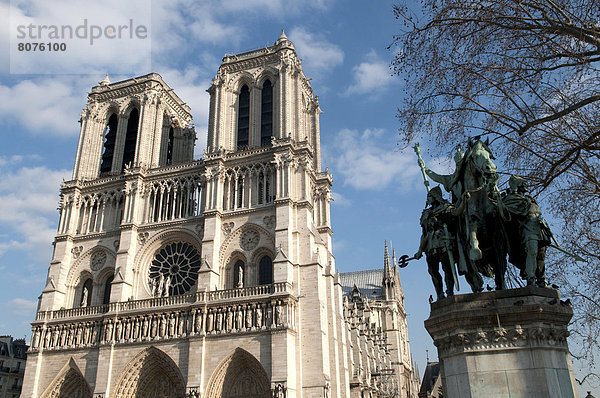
378 189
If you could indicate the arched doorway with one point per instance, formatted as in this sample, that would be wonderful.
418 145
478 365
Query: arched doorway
69 383
239 375
151 374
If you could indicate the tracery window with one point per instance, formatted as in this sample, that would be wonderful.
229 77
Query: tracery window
174 269
266 114
109 144
130 138
265 271
243 129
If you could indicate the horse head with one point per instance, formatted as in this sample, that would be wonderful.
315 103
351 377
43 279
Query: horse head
481 159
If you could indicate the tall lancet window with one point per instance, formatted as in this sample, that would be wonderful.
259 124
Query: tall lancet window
109 144
170 146
131 138
266 114
265 271
243 118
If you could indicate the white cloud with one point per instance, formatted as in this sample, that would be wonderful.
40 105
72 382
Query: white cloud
20 305
318 54
365 162
371 76
47 105
340 200
28 202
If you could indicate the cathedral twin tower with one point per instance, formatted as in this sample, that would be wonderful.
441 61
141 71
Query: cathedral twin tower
176 277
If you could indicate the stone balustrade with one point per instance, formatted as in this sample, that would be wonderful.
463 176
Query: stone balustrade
72 312
214 313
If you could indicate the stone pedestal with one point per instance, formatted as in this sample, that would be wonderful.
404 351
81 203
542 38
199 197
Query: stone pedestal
510 343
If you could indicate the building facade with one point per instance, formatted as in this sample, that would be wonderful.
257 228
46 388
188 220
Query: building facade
177 277
13 355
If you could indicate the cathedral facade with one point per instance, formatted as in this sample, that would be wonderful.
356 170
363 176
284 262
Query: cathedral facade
176 277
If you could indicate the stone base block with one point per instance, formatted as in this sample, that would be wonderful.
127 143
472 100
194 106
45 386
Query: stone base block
510 343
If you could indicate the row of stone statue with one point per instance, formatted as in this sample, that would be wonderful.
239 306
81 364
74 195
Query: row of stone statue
230 319
480 226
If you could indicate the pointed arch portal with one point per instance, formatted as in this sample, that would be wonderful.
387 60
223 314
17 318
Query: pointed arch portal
239 375
69 383
151 374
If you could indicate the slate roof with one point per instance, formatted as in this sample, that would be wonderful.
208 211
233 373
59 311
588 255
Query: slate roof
431 373
369 282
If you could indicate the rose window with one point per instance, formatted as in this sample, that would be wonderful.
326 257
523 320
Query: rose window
174 269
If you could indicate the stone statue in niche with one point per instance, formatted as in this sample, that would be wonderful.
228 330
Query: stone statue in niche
127 329
229 320
85 328
136 329
259 313
71 335
47 337
36 339
95 332
84 297
279 311
198 323
219 322
171 325
55 338
78 335
248 317
145 327
180 331
153 327
118 327
63 336
239 318
209 321
163 326
240 272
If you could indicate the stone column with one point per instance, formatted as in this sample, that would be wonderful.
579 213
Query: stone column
509 343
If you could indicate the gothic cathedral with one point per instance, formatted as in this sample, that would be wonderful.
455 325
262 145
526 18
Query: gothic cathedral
174 277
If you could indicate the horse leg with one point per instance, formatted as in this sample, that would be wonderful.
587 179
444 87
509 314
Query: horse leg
500 272
474 280
474 250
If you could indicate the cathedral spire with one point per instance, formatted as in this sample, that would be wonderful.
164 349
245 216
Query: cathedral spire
386 262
